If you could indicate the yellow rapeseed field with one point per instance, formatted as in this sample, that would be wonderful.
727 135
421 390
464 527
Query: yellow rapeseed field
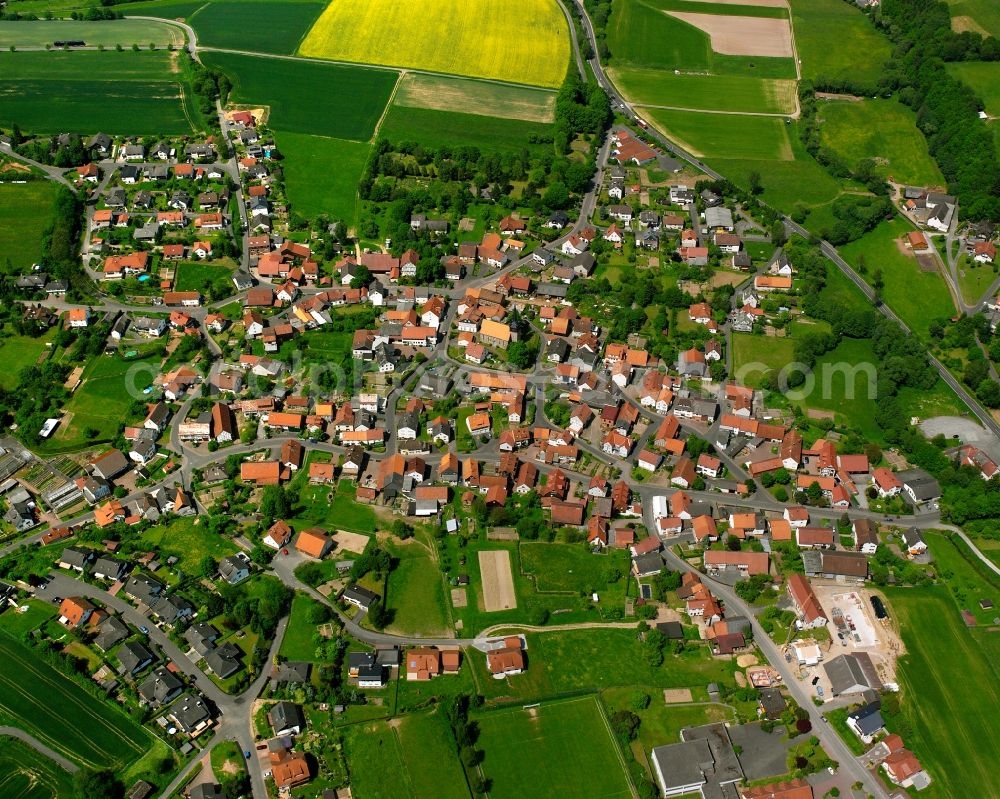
524 42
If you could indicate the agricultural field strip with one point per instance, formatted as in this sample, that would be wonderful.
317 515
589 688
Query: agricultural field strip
383 33
29 674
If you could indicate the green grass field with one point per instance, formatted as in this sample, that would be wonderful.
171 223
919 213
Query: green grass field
572 568
308 97
835 41
917 296
314 186
19 352
558 749
297 643
101 401
725 135
657 87
126 32
640 34
25 774
135 93
25 213
443 93
452 37
411 757
939 647
60 713
255 26
201 276
415 593
448 128
984 15
754 357
983 78
883 129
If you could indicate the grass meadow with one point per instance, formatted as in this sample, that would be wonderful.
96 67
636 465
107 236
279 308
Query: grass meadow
982 16
835 41
25 774
983 78
307 97
453 129
126 32
25 213
556 749
454 37
408 758
415 592
938 647
57 711
255 26
135 93
725 135
322 174
917 296
657 87
573 568
882 129
188 541
444 93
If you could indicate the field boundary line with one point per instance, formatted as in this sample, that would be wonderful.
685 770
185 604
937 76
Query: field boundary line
618 749
380 67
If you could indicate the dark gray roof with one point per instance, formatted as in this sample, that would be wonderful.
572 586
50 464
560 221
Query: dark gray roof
293 671
868 719
189 712
683 764
133 655
160 686
285 715
224 661
111 631
851 673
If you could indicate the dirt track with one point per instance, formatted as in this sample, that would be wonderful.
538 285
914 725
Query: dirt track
498 582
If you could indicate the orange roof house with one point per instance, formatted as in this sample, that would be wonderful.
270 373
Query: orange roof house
423 663
266 473
109 513
74 611
314 542
289 769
